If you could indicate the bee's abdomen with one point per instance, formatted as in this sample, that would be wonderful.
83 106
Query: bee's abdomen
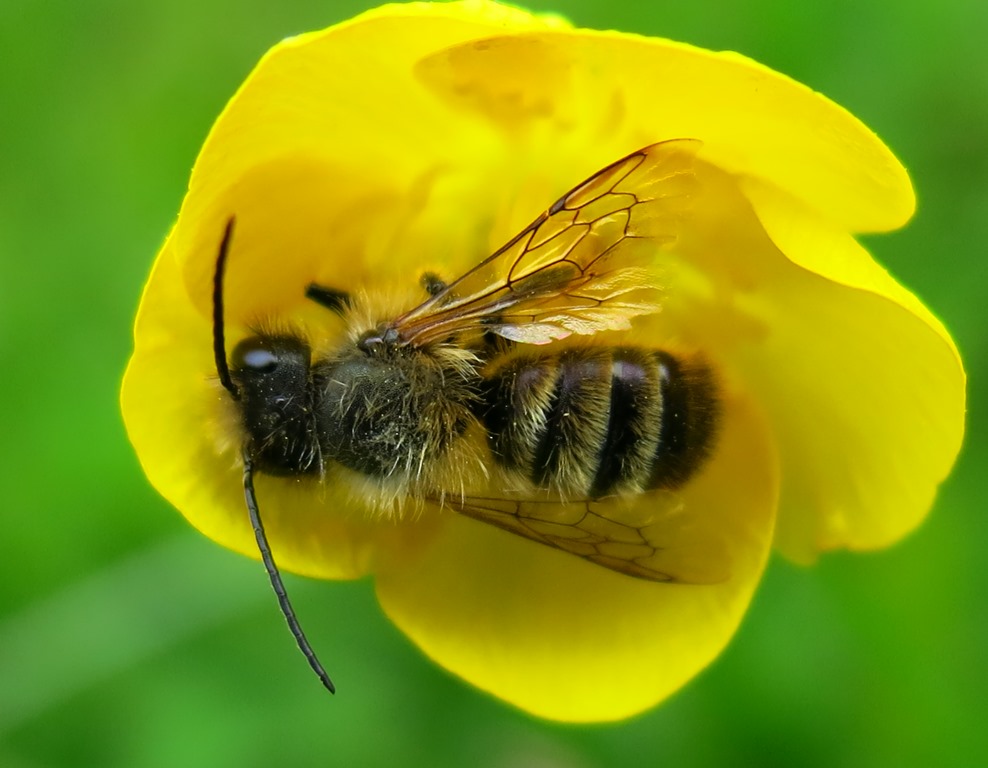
594 421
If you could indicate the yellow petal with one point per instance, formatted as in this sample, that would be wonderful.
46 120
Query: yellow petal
579 93
568 640
864 386
752 120
337 120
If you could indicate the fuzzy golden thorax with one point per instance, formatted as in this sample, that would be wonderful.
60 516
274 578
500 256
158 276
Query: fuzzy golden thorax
392 412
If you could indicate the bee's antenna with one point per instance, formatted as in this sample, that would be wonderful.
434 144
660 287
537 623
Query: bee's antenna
219 340
279 588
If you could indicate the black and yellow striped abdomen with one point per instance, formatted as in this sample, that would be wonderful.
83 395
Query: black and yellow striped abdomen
594 421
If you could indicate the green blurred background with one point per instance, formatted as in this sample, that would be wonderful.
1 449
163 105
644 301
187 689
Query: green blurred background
126 639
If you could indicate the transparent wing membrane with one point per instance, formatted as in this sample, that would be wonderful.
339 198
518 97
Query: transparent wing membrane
581 267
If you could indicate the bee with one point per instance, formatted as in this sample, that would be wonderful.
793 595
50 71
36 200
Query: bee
488 374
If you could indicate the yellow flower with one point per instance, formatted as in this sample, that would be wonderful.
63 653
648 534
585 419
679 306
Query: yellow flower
421 137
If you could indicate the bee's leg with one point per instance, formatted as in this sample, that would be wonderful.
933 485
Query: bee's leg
433 284
330 298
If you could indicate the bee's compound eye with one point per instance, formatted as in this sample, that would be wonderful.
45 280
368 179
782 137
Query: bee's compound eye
256 356
276 361
260 360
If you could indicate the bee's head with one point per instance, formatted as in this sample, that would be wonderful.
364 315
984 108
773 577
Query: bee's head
268 377
271 374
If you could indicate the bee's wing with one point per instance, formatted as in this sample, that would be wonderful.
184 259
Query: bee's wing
660 546
581 267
